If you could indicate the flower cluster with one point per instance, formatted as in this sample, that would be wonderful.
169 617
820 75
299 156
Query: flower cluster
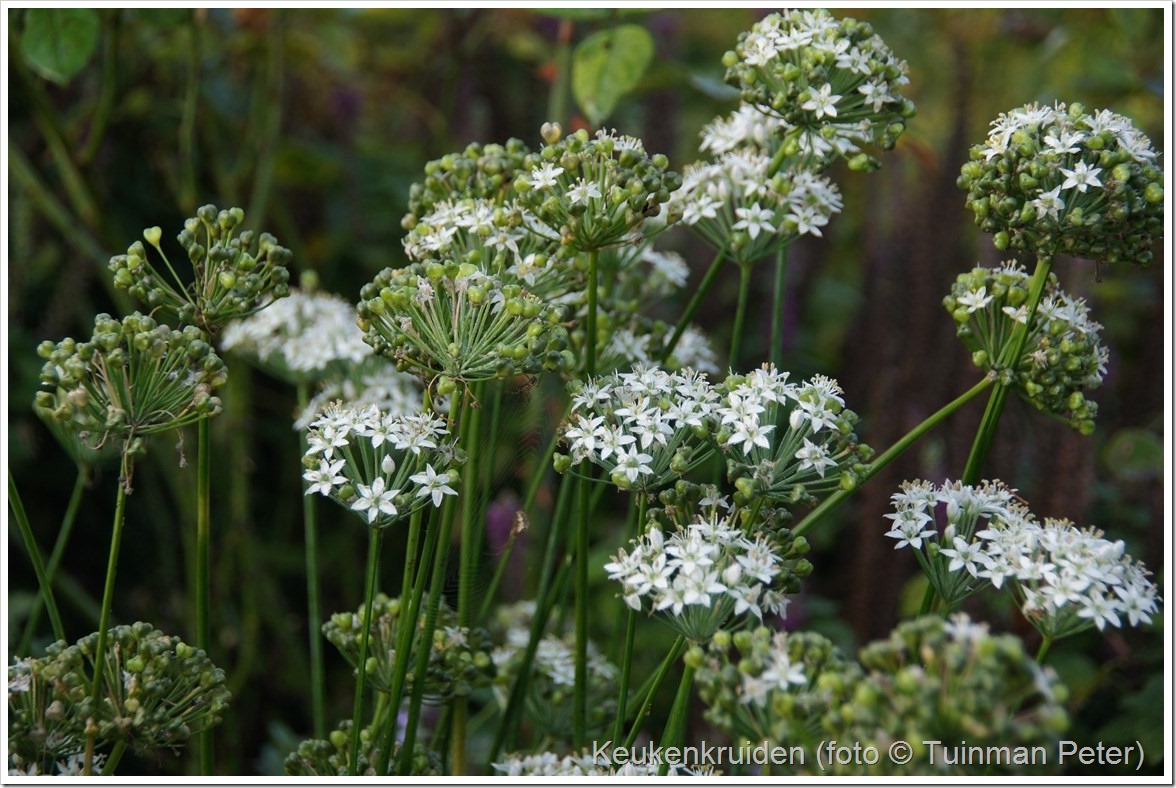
1067 579
789 442
734 205
706 569
1063 354
235 274
645 428
454 320
479 172
380 466
551 675
375 381
459 657
157 692
834 83
1060 180
583 764
133 378
594 192
331 757
744 129
301 337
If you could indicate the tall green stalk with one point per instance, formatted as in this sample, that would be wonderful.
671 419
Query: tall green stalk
704 287
590 339
580 693
647 699
675 730
630 634
779 290
369 593
313 611
44 577
740 316
108 594
204 567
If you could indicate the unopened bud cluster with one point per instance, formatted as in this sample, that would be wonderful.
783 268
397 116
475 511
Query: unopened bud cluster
930 680
134 377
481 172
157 692
1053 180
234 273
459 657
1063 357
331 757
765 685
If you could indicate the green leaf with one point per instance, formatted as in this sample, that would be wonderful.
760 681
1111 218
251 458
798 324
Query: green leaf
606 66
58 42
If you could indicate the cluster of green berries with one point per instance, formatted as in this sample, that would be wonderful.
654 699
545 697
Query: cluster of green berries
157 691
459 658
331 757
134 377
234 273
931 680
453 321
480 172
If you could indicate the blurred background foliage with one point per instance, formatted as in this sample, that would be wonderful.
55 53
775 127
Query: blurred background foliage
316 122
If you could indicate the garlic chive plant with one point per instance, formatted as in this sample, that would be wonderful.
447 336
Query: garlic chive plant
534 317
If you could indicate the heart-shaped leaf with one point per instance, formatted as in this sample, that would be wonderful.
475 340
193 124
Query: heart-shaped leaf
58 42
606 66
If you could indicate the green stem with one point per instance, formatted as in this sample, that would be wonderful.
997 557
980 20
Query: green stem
405 631
44 579
675 730
1010 358
108 594
779 290
590 339
1046 642
369 593
470 552
630 635
888 456
708 281
115 756
436 589
508 729
204 567
663 670
313 611
740 316
580 691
